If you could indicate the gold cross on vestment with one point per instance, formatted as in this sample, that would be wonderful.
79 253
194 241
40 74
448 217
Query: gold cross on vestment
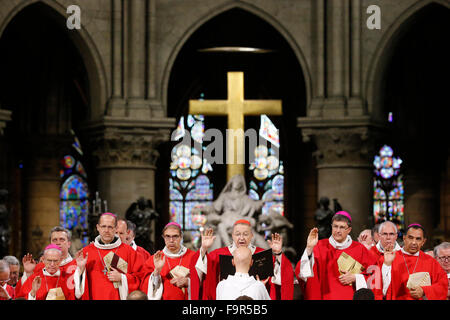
235 108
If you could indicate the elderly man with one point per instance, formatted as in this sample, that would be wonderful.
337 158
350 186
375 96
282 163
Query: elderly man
126 230
167 272
318 267
14 267
205 267
442 255
6 291
241 284
388 233
49 283
102 279
410 274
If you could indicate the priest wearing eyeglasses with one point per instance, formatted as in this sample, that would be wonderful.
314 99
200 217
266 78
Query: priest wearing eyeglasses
166 273
334 268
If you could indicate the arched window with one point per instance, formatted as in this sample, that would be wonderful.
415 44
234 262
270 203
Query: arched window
74 192
388 197
189 184
267 181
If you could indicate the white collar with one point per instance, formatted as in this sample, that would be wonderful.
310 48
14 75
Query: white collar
133 245
340 245
233 247
56 274
241 275
4 286
381 249
409 254
178 254
66 260
108 246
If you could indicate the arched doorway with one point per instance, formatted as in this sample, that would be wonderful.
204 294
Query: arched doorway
276 74
412 89
44 82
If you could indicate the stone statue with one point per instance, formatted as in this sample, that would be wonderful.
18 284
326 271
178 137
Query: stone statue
232 204
323 217
142 214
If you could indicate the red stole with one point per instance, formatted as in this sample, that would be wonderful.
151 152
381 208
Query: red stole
399 277
207 289
170 291
325 285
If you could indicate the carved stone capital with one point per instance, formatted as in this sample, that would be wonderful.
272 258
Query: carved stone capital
125 143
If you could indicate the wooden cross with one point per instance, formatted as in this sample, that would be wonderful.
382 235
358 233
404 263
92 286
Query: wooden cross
235 108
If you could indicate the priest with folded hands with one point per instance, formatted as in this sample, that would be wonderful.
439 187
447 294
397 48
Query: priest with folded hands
334 268
107 268
409 273
205 266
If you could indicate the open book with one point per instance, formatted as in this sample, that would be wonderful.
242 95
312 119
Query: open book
113 260
178 272
262 265
55 294
418 279
347 264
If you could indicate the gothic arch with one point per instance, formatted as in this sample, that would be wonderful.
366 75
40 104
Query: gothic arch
266 17
86 46
383 53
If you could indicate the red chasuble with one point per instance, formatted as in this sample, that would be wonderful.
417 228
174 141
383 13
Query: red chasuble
144 253
49 282
325 285
206 290
376 253
399 277
98 286
170 291
11 291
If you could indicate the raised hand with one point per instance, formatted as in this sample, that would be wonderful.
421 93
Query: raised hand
276 243
28 264
35 285
81 261
158 261
389 255
208 238
312 240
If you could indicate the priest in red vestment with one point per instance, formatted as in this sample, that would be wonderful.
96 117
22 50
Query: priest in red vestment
99 279
126 231
388 234
410 274
166 273
318 268
205 270
6 291
49 283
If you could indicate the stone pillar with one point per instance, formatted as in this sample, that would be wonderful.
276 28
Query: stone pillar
126 155
344 166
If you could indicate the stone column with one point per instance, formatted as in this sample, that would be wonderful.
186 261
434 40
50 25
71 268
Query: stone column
344 166
126 155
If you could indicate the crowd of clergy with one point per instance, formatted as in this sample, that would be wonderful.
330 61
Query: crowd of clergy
113 267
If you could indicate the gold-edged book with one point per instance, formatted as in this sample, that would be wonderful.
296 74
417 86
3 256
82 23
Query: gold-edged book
347 264
418 279
55 294
179 271
113 260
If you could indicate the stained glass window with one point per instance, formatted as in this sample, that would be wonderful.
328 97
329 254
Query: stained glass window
189 185
388 197
267 181
74 192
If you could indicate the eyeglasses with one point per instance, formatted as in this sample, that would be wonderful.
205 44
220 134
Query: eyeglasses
174 237
444 258
340 228
387 235
238 235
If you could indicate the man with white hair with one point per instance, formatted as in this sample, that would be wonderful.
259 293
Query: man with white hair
388 234
442 255
14 267
49 283
6 291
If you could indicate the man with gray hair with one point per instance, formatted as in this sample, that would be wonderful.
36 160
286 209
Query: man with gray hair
442 255
6 291
14 267
388 234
